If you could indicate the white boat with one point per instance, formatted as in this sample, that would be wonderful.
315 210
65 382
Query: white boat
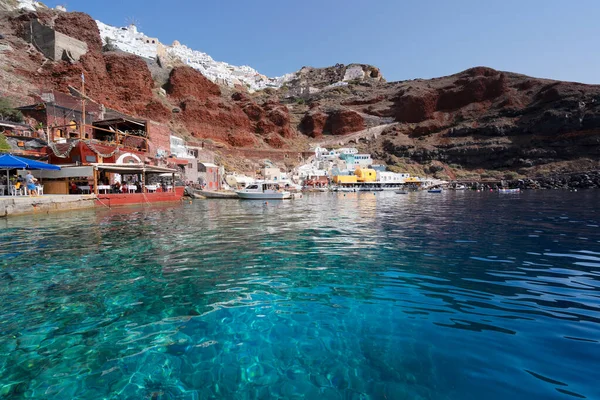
460 187
509 190
263 191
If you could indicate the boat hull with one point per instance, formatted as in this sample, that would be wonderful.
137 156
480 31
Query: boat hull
216 195
264 196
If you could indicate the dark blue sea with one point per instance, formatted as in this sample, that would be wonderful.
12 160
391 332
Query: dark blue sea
459 295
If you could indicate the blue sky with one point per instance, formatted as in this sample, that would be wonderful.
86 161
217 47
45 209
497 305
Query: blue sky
406 39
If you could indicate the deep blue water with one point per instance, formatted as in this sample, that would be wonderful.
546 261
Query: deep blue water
356 296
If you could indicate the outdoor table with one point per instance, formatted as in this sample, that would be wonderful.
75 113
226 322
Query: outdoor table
106 188
169 188
131 188
85 189
151 188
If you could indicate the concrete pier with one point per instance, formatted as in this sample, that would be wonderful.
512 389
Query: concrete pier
20 205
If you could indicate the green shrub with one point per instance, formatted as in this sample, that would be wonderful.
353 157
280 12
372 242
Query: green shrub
4 146
8 112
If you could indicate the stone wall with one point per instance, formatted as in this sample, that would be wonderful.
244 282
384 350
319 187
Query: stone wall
10 206
54 45
66 47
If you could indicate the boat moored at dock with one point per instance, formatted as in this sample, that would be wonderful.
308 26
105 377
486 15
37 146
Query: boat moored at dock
263 191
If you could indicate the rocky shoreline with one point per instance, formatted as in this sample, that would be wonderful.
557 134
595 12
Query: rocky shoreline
570 181
581 180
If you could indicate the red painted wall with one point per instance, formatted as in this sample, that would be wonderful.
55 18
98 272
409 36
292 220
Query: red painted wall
160 138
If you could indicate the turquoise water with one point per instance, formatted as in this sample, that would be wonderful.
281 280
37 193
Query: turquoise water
356 296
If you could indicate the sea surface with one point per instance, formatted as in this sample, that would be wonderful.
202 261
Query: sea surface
459 295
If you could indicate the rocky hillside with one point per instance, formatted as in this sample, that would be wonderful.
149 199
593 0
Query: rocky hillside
475 124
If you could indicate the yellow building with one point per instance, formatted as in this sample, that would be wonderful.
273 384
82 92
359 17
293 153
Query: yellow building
344 179
365 175
413 179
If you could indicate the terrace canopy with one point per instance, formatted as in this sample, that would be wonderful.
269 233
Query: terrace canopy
130 168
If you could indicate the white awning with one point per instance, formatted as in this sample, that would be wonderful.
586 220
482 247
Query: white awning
133 168
64 172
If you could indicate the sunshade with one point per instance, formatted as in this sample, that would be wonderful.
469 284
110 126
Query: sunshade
8 161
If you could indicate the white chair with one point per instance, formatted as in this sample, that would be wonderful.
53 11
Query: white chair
40 190
16 192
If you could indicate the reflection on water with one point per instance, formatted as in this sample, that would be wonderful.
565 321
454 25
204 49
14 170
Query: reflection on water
334 296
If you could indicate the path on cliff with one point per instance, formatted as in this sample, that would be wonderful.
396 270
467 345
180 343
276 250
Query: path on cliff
369 133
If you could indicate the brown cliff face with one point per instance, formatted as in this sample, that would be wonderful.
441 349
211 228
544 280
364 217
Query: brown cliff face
187 82
485 119
313 123
81 27
268 119
342 122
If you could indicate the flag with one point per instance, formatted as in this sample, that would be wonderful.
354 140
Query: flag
82 78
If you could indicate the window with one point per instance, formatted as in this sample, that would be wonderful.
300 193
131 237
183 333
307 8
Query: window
90 158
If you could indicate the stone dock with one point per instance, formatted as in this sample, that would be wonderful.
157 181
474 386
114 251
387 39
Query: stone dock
21 205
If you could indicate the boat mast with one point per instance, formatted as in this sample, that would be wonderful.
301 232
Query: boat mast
82 125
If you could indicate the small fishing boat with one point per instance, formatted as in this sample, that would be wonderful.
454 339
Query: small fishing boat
263 191
460 187
438 190
509 190
216 194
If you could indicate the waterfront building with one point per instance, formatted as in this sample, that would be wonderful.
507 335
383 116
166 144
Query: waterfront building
365 175
391 177
185 159
355 160
209 176
271 174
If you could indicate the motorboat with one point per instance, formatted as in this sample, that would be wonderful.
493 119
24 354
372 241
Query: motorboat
438 190
263 191
460 187
401 191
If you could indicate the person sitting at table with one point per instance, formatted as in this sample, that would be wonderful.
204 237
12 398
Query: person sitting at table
73 188
117 187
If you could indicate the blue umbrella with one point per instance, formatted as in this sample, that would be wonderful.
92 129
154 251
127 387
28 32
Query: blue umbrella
8 161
